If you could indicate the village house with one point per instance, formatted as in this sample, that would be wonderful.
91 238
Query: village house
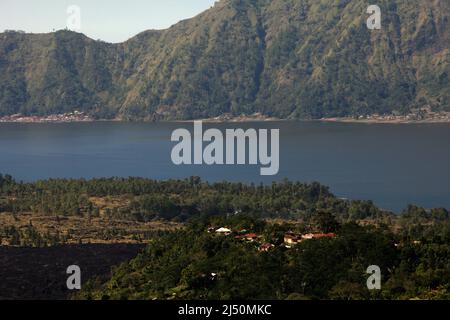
223 231
251 237
317 236
291 239
266 247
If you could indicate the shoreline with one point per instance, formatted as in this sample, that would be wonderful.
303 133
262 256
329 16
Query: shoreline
372 121
221 119
239 121
326 120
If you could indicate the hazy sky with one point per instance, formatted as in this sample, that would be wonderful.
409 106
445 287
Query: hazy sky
109 20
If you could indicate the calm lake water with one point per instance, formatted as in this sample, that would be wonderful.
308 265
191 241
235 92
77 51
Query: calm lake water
393 165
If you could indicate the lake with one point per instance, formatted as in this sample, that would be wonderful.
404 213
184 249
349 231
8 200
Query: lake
392 164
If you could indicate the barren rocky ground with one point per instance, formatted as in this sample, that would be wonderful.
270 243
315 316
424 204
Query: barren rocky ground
40 273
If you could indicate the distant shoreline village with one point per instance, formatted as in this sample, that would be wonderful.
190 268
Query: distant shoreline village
75 116
423 115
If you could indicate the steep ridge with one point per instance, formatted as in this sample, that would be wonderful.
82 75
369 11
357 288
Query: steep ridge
283 58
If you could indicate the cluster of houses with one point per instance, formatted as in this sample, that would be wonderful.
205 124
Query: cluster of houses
290 239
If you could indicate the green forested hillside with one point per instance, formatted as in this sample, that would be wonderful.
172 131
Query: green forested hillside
283 58
195 264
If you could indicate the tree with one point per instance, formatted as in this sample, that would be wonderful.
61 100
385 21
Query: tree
326 222
345 290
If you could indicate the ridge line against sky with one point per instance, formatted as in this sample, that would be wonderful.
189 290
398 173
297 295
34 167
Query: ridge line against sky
111 21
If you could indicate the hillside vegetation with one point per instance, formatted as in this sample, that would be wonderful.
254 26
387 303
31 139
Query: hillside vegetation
187 258
195 264
281 58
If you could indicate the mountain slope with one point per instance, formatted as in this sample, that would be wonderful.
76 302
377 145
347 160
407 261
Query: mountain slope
283 58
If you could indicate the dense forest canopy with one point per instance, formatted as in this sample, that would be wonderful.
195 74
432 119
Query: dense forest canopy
145 199
141 199
281 58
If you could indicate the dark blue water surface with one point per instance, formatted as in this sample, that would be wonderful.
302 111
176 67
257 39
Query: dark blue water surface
393 165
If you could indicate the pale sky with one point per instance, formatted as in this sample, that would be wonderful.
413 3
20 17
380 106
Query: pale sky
109 20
